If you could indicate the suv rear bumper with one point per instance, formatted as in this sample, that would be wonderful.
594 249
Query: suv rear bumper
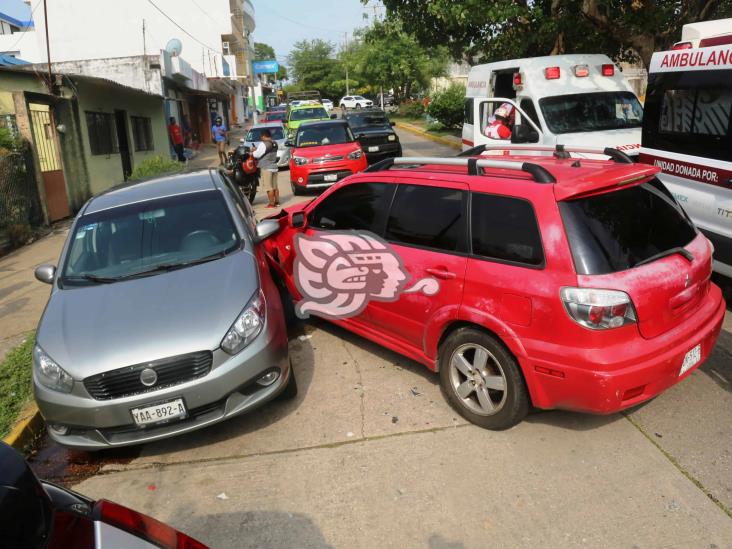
582 380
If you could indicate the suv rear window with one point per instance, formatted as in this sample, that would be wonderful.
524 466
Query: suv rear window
615 231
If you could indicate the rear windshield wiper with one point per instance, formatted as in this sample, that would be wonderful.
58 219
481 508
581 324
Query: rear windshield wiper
671 251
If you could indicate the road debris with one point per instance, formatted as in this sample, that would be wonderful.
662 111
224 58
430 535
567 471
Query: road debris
222 496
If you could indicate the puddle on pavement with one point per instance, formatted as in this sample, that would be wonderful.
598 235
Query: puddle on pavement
51 461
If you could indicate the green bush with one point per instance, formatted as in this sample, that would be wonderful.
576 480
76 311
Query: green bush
447 106
15 379
411 109
155 165
7 139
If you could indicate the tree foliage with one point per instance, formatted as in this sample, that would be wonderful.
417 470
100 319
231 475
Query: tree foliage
447 106
313 66
505 29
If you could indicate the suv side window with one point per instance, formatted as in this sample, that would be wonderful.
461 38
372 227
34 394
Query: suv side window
361 207
505 229
430 217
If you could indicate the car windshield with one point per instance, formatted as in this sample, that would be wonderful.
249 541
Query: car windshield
255 134
372 120
330 134
308 114
615 231
278 115
149 237
591 112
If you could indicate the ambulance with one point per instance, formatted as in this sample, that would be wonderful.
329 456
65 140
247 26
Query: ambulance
687 129
561 99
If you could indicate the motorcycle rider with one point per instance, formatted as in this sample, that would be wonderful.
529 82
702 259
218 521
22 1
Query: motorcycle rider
266 153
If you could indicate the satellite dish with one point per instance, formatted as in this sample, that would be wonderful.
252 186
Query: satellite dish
174 47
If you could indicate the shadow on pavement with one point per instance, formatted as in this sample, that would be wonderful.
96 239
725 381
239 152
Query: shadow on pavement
260 529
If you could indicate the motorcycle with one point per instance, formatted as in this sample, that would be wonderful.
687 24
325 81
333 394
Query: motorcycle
242 166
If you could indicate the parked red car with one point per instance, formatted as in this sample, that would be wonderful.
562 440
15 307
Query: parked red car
322 154
563 283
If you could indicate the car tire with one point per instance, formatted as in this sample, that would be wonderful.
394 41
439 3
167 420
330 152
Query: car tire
493 397
290 390
358 105
296 189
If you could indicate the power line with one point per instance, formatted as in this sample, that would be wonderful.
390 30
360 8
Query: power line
204 12
184 30
298 23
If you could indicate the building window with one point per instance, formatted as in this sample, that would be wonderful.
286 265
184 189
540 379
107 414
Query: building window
102 132
142 131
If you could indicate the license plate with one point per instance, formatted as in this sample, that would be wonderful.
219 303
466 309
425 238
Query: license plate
166 411
373 149
330 177
691 358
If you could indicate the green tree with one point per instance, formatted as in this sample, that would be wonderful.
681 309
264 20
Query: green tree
313 66
265 52
447 106
504 29
393 58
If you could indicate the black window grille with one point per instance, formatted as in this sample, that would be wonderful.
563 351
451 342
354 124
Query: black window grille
102 132
142 131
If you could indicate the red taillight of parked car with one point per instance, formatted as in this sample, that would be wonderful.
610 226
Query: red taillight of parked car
598 309
608 69
552 73
143 526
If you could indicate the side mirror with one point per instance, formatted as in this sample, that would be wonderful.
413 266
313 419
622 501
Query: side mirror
523 133
334 117
289 143
297 220
265 229
45 273
392 124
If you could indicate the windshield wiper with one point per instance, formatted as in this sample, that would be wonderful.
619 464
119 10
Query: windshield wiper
671 251
94 278
175 266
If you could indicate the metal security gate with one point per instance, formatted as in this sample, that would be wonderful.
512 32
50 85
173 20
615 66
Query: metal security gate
57 203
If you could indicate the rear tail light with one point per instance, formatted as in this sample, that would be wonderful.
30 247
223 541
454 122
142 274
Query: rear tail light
143 527
581 71
517 79
552 73
598 309
608 70
682 46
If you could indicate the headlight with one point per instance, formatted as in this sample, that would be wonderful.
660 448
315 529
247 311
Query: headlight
300 160
49 373
355 155
392 137
246 327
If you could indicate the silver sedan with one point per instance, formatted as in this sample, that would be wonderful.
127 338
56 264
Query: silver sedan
162 318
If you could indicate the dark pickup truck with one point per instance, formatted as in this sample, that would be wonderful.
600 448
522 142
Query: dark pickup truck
375 134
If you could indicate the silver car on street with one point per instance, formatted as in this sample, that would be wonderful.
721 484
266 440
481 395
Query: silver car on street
163 316
277 130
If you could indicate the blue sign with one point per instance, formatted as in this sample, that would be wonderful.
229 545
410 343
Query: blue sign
261 67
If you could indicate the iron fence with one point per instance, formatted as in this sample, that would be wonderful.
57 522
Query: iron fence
20 205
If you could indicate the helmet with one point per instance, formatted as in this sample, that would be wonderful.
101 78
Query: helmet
242 140
504 111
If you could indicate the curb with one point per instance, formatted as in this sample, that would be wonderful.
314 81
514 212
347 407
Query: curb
26 428
428 135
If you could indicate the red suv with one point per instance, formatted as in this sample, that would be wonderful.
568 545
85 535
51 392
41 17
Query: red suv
323 153
565 283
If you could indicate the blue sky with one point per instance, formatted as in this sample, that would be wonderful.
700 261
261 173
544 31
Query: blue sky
15 8
281 23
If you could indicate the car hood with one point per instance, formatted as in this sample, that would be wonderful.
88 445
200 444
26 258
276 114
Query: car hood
92 329
627 140
340 149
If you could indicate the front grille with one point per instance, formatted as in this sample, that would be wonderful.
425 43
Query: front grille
326 159
171 371
366 140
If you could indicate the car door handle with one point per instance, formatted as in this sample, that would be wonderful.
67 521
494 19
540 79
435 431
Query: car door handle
440 273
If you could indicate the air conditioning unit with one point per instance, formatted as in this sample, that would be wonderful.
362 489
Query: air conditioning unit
225 47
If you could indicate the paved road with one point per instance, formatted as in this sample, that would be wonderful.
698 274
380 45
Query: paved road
370 455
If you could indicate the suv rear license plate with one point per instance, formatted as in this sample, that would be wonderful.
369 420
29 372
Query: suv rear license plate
165 411
691 358
374 149
330 177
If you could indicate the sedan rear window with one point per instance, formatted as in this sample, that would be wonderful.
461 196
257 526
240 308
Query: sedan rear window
151 236
616 231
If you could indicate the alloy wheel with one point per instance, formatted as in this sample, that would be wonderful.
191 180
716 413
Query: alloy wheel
478 379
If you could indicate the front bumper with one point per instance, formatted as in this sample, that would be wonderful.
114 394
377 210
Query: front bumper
325 175
228 390
611 379
386 150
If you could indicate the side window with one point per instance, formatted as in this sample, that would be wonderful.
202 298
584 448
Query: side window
432 217
361 207
468 111
505 229
527 105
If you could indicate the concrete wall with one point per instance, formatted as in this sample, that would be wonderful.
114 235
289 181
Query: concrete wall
134 71
24 45
106 170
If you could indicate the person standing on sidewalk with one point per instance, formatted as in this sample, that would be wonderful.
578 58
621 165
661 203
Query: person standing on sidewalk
220 136
266 154
176 137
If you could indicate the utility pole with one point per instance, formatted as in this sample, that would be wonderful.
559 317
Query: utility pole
144 41
345 37
48 50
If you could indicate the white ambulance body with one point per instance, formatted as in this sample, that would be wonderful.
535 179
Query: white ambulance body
687 132
560 99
